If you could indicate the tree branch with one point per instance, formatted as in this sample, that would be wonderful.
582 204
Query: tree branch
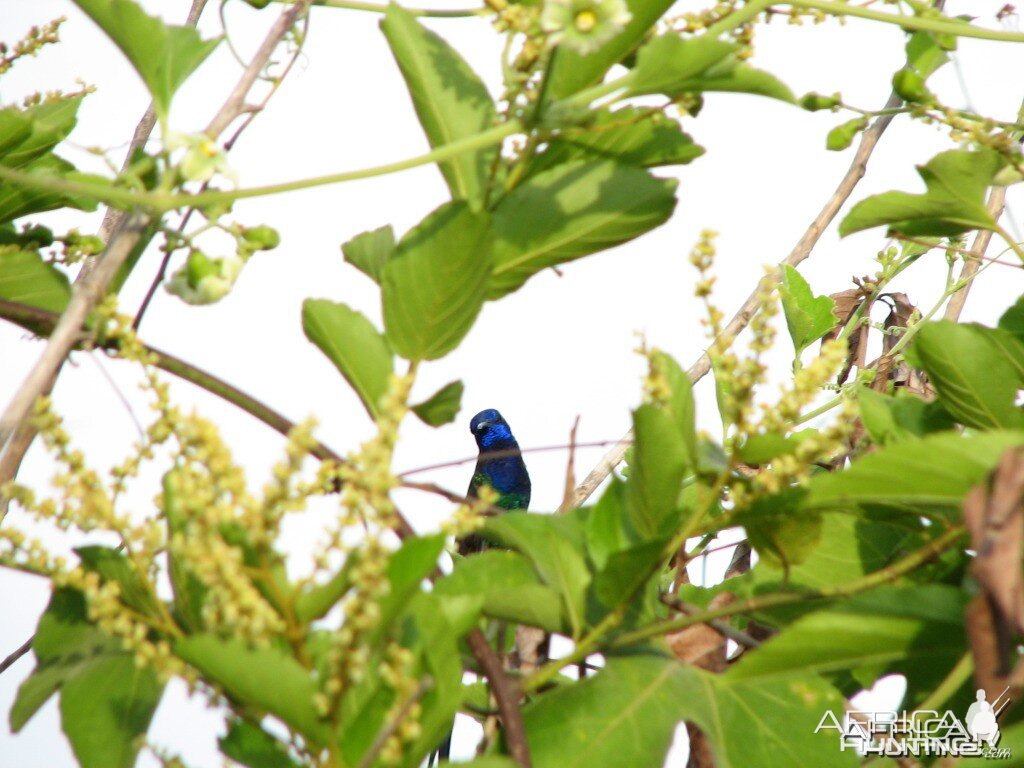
996 201
746 312
507 693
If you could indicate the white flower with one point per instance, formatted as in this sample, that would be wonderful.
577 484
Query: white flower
583 25
202 280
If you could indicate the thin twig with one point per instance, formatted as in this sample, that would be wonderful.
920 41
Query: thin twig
21 441
746 312
721 627
506 692
503 454
15 655
570 471
996 201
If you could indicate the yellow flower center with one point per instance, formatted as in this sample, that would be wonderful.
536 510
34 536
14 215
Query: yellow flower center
586 21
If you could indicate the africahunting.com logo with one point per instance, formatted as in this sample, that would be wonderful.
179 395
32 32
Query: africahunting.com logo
922 733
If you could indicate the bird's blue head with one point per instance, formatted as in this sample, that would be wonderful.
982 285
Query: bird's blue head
491 430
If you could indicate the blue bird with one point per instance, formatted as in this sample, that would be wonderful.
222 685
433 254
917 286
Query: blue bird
499 465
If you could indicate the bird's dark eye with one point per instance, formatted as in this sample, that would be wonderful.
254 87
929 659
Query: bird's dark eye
482 426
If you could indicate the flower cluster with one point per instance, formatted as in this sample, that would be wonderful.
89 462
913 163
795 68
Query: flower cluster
36 38
583 26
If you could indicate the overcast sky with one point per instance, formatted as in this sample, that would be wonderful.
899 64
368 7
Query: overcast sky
561 347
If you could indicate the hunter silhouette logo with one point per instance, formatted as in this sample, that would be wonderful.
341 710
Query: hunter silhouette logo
922 733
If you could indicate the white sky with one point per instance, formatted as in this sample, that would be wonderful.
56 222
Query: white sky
558 348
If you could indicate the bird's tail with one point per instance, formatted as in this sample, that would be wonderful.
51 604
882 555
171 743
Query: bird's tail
443 751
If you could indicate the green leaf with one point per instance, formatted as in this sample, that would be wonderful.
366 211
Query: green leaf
355 347
937 470
264 678
1012 320
434 286
254 747
630 136
17 201
674 65
627 570
656 472
808 317
571 71
606 528
106 707
450 100
509 587
976 379
571 211
27 279
163 55
886 627
407 568
680 402
954 203
889 419
65 644
628 712
925 54
112 565
762 448
189 591
28 134
442 407
317 601
369 251
556 553
782 534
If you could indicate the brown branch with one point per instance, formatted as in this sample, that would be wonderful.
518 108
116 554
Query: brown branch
15 655
507 692
996 201
570 471
746 312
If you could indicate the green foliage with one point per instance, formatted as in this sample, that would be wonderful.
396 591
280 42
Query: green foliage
450 100
163 55
441 407
842 136
368 252
674 65
435 284
954 202
808 317
27 279
570 211
355 347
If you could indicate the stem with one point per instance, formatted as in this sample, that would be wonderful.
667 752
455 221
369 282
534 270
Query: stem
161 201
915 23
437 13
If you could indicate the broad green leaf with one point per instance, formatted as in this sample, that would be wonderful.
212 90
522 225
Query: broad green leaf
27 279
889 419
355 347
606 525
368 252
189 591
879 631
656 472
510 589
106 707
674 65
925 54
935 471
163 55
762 448
627 570
556 554
407 568
630 136
571 71
263 678
28 134
626 715
441 407
1012 320
450 100
781 533
808 317
434 286
570 211
317 601
976 379
954 203
680 402
253 747
17 201
112 565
